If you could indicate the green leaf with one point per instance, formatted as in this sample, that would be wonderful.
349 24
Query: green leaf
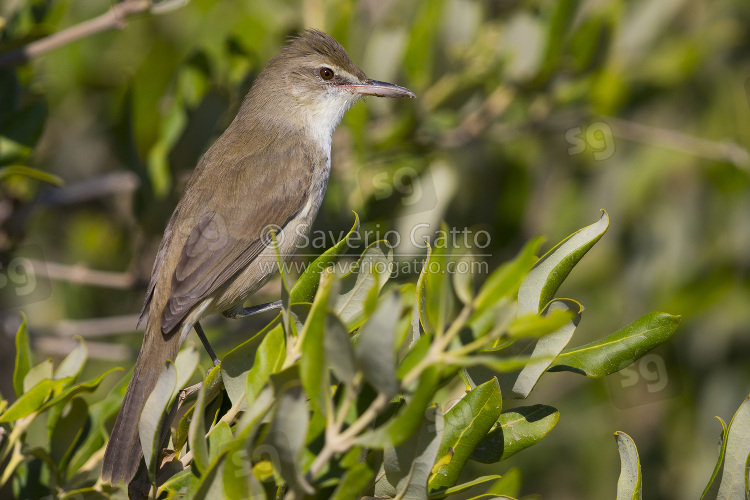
211 482
30 402
730 481
365 279
515 430
236 365
288 433
219 439
42 371
460 488
629 484
550 346
31 173
306 286
313 368
197 434
269 358
154 413
437 291
354 481
506 279
338 348
73 363
68 432
24 357
509 484
376 350
550 271
620 349
718 468
536 326
408 466
400 428
68 393
465 426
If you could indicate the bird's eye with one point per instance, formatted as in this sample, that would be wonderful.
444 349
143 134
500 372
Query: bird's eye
326 73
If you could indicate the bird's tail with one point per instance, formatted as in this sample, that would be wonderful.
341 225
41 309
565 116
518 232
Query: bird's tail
123 455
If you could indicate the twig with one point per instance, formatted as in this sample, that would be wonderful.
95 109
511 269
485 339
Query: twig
84 276
113 18
89 328
723 151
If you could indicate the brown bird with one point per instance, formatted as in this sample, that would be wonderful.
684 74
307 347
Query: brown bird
268 170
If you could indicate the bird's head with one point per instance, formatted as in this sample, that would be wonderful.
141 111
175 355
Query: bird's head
314 78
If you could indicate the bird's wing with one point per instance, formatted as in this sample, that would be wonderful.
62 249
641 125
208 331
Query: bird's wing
227 221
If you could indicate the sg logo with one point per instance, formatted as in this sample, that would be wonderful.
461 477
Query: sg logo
597 136
405 185
653 377
23 279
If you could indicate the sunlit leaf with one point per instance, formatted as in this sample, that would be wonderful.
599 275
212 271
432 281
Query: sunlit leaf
237 363
313 367
466 423
620 349
506 279
541 283
305 287
515 430
269 359
629 484
549 346
367 277
24 358
460 488
729 480
29 402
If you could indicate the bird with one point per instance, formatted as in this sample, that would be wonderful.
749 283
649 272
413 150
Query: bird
267 172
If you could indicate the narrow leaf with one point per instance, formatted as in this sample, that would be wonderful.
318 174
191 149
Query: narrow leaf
197 433
368 276
617 351
24 357
730 479
408 467
305 287
465 426
550 346
376 351
153 415
550 271
629 484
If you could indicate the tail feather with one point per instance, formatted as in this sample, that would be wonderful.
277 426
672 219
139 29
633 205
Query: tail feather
123 455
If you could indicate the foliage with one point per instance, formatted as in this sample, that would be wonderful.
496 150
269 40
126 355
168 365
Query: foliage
324 407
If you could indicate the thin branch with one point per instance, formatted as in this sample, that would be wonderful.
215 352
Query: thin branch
84 276
113 18
89 328
721 151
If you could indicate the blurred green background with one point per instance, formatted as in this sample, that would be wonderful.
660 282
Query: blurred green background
531 117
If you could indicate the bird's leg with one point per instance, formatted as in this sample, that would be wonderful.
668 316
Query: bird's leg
242 312
204 340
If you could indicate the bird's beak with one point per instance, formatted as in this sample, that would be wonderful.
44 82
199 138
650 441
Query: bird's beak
379 89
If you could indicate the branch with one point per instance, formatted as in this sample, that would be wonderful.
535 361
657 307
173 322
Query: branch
81 275
113 18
